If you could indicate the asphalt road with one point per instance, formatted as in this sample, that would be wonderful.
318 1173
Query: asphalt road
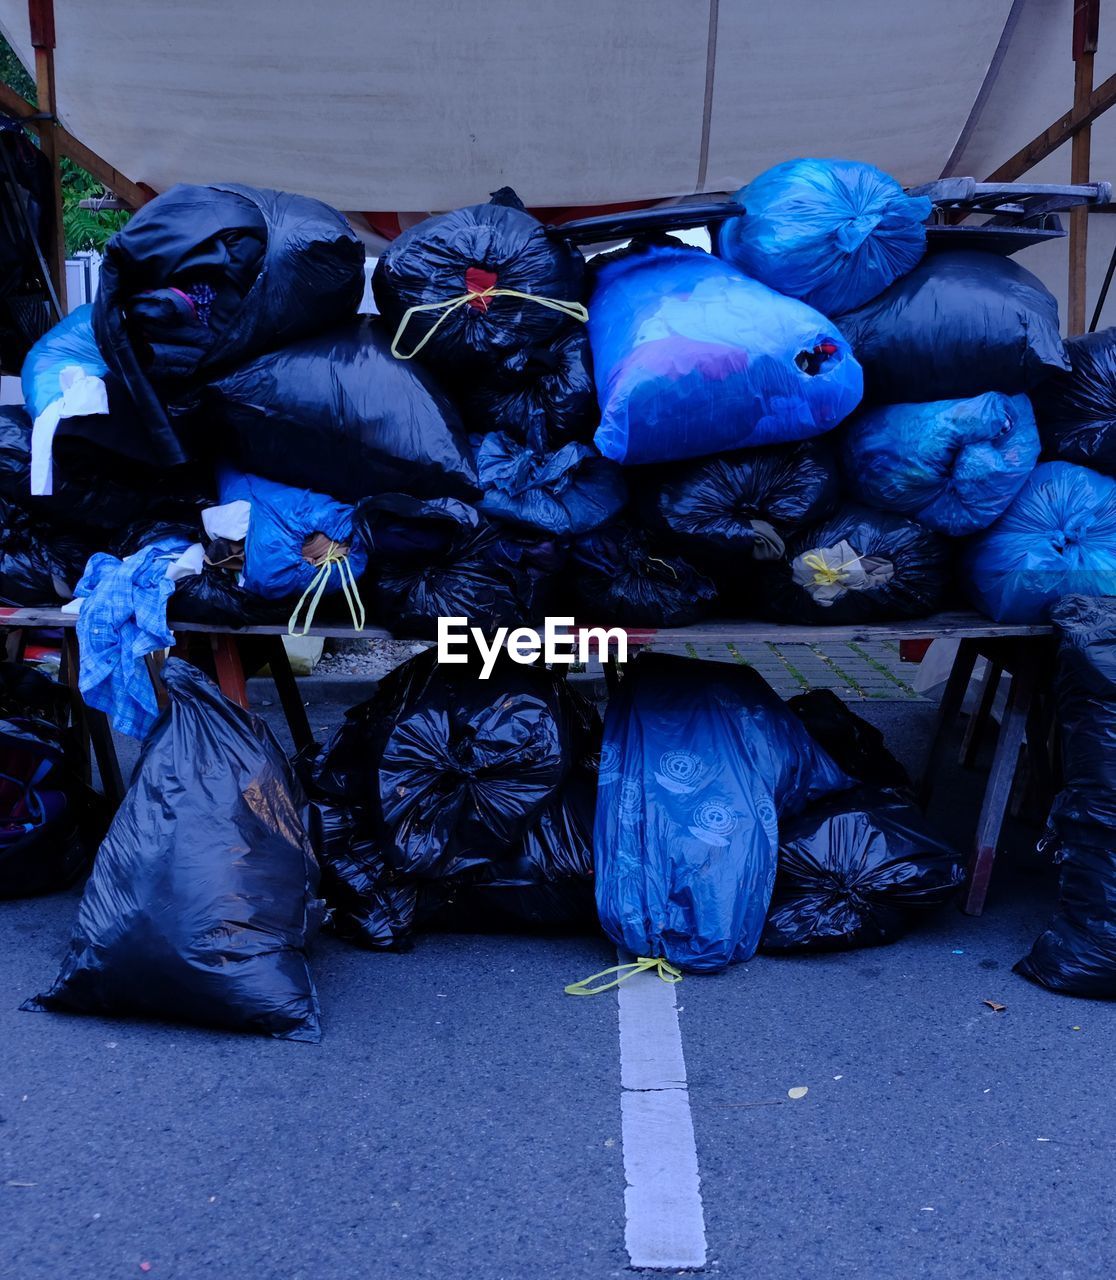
462 1116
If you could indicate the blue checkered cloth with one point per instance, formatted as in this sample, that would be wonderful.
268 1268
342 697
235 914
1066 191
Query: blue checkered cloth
123 618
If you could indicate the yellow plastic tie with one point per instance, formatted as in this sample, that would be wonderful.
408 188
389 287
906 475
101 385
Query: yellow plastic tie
826 575
663 968
447 306
317 589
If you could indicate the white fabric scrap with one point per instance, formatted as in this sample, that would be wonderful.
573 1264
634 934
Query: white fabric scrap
229 521
82 395
188 564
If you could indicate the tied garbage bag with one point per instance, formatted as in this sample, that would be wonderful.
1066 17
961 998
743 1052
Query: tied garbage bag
438 558
548 389
206 277
617 579
960 324
742 504
464 290
337 413
952 465
201 910
1076 953
569 491
856 872
453 768
39 563
1076 410
692 358
857 566
832 232
700 762
1057 538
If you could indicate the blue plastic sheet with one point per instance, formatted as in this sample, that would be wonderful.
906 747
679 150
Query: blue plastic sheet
831 232
1057 538
693 358
699 762
953 465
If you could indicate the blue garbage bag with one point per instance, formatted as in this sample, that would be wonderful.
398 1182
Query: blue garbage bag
953 465
281 522
832 232
1057 538
70 344
570 490
959 324
700 760
693 358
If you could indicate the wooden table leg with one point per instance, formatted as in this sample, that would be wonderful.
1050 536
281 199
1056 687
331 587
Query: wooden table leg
997 794
92 726
949 708
978 721
230 669
289 696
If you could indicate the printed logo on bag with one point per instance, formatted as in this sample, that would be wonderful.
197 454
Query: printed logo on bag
609 769
679 771
631 800
713 822
560 641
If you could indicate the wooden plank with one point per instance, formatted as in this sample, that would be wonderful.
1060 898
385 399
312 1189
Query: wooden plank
953 698
41 14
1064 128
290 698
1085 18
134 195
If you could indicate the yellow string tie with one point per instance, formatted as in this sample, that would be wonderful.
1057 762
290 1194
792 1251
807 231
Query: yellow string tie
663 969
447 306
826 575
317 588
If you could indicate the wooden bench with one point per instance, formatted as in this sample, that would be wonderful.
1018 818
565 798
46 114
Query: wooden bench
1023 651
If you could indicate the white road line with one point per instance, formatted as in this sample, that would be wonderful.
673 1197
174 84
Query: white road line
665 1221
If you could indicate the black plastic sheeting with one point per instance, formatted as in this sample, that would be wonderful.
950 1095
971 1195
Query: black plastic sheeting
40 564
858 745
881 568
205 277
546 389
494 246
1076 953
619 577
201 910
1076 411
439 558
721 509
337 413
454 802
93 489
856 873
961 323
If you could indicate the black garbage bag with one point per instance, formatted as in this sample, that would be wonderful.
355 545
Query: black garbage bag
742 505
961 323
203 897
1076 953
439 558
857 744
44 807
567 491
542 388
40 564
617 577
204 278
93 488
452 768
337 413
854 872
467 289
858 566
1076 410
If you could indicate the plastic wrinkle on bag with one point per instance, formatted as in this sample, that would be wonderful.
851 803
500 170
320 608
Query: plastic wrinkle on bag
478 283
1057 538
856 872
953 465
960 324
202 910
857 566
337 413
699 764
1076 410
1076 953
833 233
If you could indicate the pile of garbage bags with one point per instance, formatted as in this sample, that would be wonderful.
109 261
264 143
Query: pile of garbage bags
821 419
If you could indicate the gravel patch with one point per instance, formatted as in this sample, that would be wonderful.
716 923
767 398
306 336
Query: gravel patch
369 659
